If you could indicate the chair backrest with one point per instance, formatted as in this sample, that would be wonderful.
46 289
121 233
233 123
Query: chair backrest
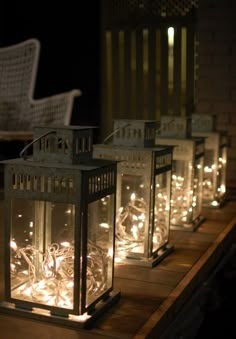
18 71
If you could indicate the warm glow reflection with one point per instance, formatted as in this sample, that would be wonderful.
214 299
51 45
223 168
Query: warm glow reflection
79 318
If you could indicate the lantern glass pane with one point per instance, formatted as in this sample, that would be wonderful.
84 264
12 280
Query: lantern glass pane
182 192
209 175
100 247
132 221
161 210
197 188
221 173
42 252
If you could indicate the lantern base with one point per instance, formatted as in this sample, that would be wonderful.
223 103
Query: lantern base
150 262
84 321
189 227
215 204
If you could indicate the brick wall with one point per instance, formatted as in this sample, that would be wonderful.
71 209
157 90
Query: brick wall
216 72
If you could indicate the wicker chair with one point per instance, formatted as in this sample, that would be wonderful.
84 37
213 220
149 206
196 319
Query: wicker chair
19 111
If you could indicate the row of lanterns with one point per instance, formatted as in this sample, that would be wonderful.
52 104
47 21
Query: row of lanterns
74 208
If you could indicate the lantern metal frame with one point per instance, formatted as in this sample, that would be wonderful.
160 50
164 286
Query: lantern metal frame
62 171
132 147
215 159
188 155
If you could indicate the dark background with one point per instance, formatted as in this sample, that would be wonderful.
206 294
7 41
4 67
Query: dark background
69 33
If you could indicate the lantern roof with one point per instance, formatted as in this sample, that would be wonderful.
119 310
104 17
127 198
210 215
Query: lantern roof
62 144
91 164
135 133
203 123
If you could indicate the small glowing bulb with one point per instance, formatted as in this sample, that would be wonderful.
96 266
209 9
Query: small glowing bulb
132 197
140 224
134 231
104 225
13 245
65 244
110 252
121 209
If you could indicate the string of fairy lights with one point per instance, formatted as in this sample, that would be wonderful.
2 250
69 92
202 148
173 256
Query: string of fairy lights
54 284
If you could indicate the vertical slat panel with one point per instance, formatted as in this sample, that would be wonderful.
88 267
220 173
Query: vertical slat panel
190 71
164 72
142 86
121 78
145 113
152 90
139 72
106 85
133 51
106 70
177 71
183 70
127 72
158 75
115 74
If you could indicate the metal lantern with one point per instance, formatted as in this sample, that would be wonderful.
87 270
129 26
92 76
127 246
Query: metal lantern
143 192
215 159
187 173
60 221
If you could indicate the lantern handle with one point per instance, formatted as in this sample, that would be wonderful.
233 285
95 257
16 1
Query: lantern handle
114 132
32 142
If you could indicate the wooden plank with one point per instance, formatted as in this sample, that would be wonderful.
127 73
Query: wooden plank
216 214
128 316
181 260
142 288
157 274
213 227
21 328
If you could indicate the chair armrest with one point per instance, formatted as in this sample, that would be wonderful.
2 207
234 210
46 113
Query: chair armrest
15 135
55 109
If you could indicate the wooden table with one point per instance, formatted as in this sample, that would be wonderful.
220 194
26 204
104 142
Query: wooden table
151 298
